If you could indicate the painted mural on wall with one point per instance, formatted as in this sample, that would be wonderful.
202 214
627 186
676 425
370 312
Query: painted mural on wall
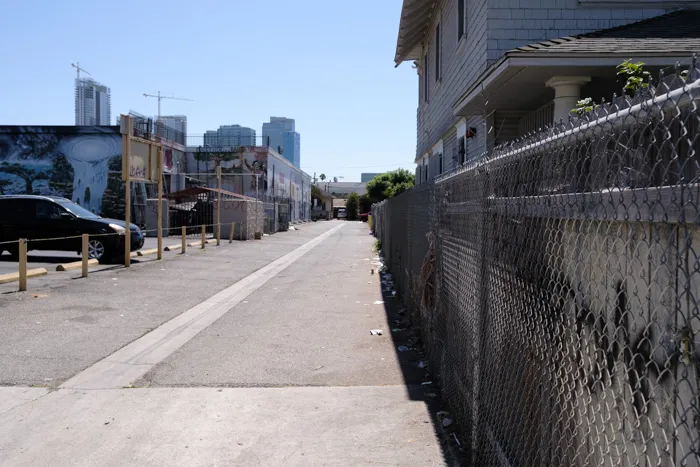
253 171
79 163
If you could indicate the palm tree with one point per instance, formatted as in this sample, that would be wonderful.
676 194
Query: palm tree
322 177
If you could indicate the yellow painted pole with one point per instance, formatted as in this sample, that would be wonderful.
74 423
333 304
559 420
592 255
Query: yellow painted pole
230 234
184 239
127 193
159 161
22 264
86 254
204 235
218 207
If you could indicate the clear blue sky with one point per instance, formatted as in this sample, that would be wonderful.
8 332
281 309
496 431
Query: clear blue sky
327 64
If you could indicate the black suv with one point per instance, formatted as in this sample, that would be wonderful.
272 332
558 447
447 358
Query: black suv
37 217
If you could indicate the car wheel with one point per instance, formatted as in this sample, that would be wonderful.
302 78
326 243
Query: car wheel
97 250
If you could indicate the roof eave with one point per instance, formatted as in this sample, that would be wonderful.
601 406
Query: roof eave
415 17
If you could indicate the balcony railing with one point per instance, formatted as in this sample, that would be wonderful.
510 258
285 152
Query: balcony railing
537 119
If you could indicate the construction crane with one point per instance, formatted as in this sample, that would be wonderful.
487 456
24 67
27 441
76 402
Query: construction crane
76 65
159 97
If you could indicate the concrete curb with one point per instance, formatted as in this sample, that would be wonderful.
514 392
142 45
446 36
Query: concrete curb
199 243
14 276
75 265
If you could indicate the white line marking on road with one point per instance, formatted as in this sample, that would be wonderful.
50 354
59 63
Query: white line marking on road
131 362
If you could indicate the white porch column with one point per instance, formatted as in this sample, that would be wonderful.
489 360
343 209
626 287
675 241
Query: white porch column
567 92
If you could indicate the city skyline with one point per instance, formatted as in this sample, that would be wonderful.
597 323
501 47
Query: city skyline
322 88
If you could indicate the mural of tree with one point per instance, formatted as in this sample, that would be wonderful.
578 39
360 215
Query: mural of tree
113 197
3 184
61 180
36 144
27 174
217 157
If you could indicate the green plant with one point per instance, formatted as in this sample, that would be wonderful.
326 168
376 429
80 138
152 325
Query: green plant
377 245
351 205
583 107
636 77
365 204
389 184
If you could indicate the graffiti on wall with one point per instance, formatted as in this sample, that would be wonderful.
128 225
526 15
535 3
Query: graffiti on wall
79 163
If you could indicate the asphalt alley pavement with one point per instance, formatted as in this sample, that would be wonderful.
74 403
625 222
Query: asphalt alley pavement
61 326
285 370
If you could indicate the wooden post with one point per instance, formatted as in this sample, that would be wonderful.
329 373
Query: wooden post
230 234
127 193
159 171
204 235
22 264
184 239
86 254
218 207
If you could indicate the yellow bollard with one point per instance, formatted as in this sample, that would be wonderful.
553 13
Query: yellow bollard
22 264
86 254
184 239
230 234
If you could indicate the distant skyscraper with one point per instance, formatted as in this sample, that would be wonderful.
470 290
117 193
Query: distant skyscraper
92 103
279 133
178 123
230 136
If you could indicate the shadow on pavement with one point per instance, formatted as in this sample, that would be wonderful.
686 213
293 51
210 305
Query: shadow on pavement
417 377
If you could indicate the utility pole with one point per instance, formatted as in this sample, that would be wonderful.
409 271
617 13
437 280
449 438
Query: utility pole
160 98
76 65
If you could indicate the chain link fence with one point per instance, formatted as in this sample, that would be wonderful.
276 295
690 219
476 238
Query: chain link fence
556 284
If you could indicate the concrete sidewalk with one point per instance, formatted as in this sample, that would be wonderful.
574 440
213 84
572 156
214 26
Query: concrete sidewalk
265 359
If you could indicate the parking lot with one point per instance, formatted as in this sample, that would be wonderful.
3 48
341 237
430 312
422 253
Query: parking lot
50 259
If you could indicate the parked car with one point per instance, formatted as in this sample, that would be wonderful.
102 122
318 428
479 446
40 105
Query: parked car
43 217
342 213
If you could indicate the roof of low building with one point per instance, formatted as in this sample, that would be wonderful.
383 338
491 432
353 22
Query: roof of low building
673 33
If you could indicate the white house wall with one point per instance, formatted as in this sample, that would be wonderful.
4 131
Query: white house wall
461 65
